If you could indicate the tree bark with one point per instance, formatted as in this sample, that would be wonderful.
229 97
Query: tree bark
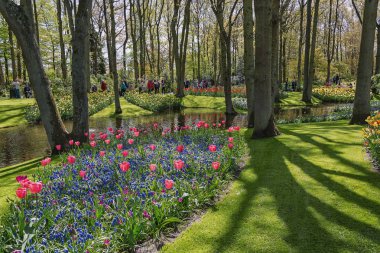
264 120
363 84
13 55
115 75
2 78
19 62
134 40
249 64
37 29
306 95
377 70
300 43
61 41
275 49
312 49
108 40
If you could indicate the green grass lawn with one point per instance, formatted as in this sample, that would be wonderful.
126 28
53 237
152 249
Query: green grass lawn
191 101
12 111
309 190
294 99
129 110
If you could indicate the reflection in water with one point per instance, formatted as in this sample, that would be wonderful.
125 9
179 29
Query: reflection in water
22 143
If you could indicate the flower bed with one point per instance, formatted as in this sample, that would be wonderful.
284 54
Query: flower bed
153 102
334 95
120 190
372 138
96 102
216 91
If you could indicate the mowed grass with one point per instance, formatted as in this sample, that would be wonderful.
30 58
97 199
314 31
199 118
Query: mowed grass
295 99
311 189
191 101
12 111
129 110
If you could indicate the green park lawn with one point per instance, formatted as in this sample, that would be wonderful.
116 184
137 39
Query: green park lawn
312 189
191 101
12 111
294 99
129 110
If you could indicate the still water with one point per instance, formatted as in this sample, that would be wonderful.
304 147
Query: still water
22 143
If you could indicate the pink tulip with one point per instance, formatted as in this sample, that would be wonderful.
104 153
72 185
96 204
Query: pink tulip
20 178
118 136
230 145
86 134
82 173
207 125
93 136
107 141
152 147
58 147
136 133
35 187
124 166
125 153
155 125
45 161
130 141
230 139
71 142
25 183
152 167
236 128
77 143
169 184
178 164
21 192
119 146
93 144
216 165
71 159
180 148
110 129
107 242
102 153
223 122
212 148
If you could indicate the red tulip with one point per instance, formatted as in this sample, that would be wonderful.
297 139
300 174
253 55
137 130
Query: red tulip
93 136
178 164
71 159
169 184
124 166
93 144
152 147
153 167
110 129
82 173
230 139
102 153
35 187
125 153
107 141
21 192
236 128
216 165
180 148
71 142
212 148
77 143
45 161
20 178
230 145
119 146
25 183
58 147
130 141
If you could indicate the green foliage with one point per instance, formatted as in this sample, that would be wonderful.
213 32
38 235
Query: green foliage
153 102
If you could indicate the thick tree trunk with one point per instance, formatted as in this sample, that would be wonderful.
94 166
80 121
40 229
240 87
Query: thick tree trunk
363 84
300 43
312 49
80 74
13 55
141 16
132 22
37 28
61 41
249 64
19 63
284 59
21 23
108 40
306 95
264 120
2 78
113 60
377 70
275 49
6 68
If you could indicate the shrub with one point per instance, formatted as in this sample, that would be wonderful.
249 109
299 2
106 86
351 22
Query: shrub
154 102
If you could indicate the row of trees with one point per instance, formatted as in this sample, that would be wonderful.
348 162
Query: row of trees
82 25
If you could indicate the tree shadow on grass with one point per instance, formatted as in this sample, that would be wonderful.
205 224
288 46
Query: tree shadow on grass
296 206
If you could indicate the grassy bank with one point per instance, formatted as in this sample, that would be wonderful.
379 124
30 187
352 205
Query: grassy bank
294 99
309 190
12 111
129 110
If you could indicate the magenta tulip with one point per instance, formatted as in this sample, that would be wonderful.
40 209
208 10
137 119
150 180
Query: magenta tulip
93 144
71 142
102 153
230 139
125 153
230 145
20 178
21 192
178 164
119 146
77 143
152 167
212 148
152 147
58 147
130 141
124 166
107 141
35 187
82 173
216 165
180 148
71 159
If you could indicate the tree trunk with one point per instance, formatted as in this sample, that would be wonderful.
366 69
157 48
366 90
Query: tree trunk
13 56
377 70
264 120
306 96
6 68
80 73
275 49
20 21
134 40
312 50
249 64
284 59
2 78
19 63
37 29
108 40
141 16
61 41
363 84
300 43
113 60
329 54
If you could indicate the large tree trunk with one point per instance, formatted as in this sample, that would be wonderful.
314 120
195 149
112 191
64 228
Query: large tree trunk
377 70
275 49
363 84
113 60
249 63
37 28
2 78
306 95
80 74
132 22
108 40
312 49
61 41
20 21
19 63
13 55
300 43
264 120
141 16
